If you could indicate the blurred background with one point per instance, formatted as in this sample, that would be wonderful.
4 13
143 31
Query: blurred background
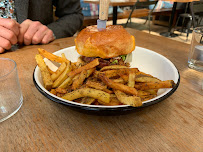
153 19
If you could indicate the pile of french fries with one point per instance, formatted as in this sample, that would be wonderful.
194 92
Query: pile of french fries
109 86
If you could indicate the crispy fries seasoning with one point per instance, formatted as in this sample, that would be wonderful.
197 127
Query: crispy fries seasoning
86 84
118 86
58 72
46 76
128 100
88 92
51 56
155 85
88 66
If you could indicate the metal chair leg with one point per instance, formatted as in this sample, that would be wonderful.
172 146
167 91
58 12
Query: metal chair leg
188 28
129 17
177 22
145 21
149 16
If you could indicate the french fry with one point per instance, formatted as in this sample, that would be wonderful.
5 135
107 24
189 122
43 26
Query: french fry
62 77
46 77
50 71
88 66
101 102
58 72
117 72
119 80
110 73
152 91
96 74
53 91
143 93
76 77
60 94
113 102
143 77
96 85
118 86
90 71
146 79
124 77
51 56
60 90
66 83
79 78
113 96
87 100
63 56
78 82
88 92
147 98
79 63
108 91
155 85
128 100
131 79
111 67
72 64
144 74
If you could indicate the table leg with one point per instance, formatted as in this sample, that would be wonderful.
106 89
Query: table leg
115 15
170 33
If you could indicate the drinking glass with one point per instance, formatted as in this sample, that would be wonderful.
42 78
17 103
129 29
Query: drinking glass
11 97
195 60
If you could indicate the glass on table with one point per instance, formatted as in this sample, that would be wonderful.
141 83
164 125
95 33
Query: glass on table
195 60
11 97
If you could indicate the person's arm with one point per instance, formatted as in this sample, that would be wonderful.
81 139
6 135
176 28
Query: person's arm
70 18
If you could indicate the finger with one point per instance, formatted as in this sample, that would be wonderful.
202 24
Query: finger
48 37
8 34
4 43
33 28
10 24
1 50
37 38
23 28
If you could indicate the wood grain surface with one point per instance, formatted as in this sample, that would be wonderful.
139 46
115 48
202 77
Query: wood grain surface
132 2
173 125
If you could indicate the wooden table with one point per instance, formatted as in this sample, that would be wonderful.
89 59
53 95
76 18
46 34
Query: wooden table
173 125
115 4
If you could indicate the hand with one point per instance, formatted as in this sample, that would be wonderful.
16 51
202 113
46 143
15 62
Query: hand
9 30
34 32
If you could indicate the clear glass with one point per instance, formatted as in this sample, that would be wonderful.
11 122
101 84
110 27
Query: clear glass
195 60
11 97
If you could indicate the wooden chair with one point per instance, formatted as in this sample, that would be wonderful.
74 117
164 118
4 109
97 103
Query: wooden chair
143 4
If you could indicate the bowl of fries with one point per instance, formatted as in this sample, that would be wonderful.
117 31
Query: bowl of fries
64 78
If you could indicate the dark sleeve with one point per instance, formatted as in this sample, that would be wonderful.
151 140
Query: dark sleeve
69 20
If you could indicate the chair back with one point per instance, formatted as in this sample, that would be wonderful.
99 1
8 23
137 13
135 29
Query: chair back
196 9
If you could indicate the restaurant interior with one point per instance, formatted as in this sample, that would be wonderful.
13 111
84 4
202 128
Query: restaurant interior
158 18
52 100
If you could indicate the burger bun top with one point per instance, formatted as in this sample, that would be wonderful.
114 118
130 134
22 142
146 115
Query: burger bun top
108 43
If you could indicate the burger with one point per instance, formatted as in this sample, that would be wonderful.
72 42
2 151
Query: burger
113 45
